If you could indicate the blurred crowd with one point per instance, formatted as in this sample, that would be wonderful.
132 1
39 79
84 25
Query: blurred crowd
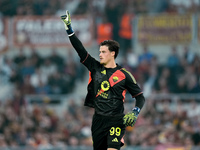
34 74
179 74
167 123
52 7
41 127
57 74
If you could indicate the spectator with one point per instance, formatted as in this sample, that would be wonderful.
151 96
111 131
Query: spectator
48 67
181 85
16 78
57 84
22 137
188 55
146 55
184 7
140 6
125 30
39 6
193 85
112 11
27 87
17 103
132 58
38 77
157 6
35 58
71 5
8 7
42 89
27 68
82 7
56 59
104 30
6 66
20 58
173 58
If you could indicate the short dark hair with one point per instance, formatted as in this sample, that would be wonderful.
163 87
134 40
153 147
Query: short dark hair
112 46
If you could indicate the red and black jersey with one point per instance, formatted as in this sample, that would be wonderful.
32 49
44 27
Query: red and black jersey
107 86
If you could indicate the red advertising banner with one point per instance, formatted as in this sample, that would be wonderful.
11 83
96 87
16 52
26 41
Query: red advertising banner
49 31
3 34
165 29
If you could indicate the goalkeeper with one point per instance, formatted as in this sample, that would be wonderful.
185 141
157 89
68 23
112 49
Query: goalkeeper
107 86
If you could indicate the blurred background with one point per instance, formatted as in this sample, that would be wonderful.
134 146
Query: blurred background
43 84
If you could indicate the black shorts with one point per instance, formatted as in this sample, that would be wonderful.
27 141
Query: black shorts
107 132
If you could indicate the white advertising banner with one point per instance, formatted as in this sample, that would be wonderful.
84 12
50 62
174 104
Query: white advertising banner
49 31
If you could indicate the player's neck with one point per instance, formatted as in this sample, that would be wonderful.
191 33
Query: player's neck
110 64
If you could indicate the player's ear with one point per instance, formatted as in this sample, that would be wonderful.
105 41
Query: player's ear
113 53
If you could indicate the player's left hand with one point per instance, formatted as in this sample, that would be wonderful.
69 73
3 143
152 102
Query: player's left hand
67 22
131 117
66 19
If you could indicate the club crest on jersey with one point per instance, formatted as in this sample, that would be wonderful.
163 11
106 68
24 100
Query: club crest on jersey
115 79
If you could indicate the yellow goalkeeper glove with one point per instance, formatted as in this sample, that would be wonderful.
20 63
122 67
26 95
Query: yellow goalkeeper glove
131 117
67 22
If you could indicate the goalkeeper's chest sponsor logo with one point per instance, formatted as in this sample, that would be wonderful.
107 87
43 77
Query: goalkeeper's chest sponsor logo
115 78
105 86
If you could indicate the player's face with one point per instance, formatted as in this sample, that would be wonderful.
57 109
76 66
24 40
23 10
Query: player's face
105 55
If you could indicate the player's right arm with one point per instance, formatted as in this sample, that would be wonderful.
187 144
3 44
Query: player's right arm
133 88
86 59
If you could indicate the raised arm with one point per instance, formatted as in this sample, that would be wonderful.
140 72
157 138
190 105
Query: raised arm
76 43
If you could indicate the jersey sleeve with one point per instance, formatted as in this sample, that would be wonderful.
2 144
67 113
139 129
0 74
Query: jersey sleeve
90 62
85 57
131 85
